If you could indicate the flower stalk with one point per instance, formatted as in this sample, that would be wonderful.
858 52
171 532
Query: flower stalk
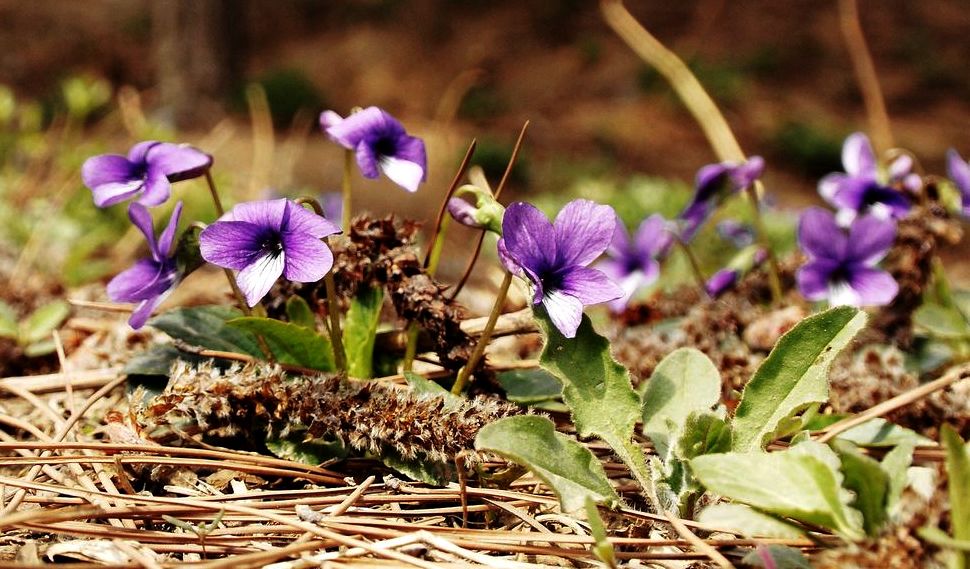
483 340
345 187
761 235
240 297
695 266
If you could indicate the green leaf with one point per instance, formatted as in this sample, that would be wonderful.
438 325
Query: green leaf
529 386
289 343
602 547
314 451
595 387
936 536
747 521
206 327
360 331
879 432
866 477
41 348
427 471
896 463
299 313
704 433
958 484
942 321
803 483
43 321
683 382
568 467
425 387
794 375
8 322
778 557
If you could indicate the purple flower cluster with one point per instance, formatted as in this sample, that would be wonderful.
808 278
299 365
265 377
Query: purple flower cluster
146 173
859 191
381 145
958 170
553 257
151 279
265 239
713 184
842 263
632 263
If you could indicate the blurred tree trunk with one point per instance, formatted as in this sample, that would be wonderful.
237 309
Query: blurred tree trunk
198 53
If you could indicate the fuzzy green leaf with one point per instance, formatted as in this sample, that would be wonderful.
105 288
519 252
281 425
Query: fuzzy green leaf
568 467
939 321
602 548
8 322
683 382
747 521
958 483
205 327
595 387
866 477
298 312
879 432
527 386
422 386
703 433
289 343
794 375
314 451
896 463
803 483
776 557
360 331
43 321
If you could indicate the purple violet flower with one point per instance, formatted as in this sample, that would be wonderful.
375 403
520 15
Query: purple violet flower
743 263
713 184
553 257
633 263
265 239
858 191
958 170
842 263
151 279
736 233
148 172
381 144
463 212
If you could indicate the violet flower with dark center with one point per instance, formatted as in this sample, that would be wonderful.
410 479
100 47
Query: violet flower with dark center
859 191
553 257
713 184
265 239
151 279
842 263
381 145
147 172
958 171
633 263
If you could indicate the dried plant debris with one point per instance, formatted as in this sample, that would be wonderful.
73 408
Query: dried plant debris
254 402
918 241
875 373
381 253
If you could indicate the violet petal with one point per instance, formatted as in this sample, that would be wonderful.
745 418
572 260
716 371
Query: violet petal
565 311
589 285
869 239
874 287
820 236
307 258
257 277
583 231
232 244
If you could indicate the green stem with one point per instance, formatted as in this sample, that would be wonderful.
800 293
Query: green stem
483 340
411 350
695 266
345 189
774 278
680 77
333 310
243 305
865 73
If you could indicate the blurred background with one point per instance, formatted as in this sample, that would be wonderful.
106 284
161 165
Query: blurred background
245 81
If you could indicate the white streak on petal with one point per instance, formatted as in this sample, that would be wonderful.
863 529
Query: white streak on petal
406 174
256 279
841 294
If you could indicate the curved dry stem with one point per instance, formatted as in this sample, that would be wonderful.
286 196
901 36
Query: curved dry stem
865 74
